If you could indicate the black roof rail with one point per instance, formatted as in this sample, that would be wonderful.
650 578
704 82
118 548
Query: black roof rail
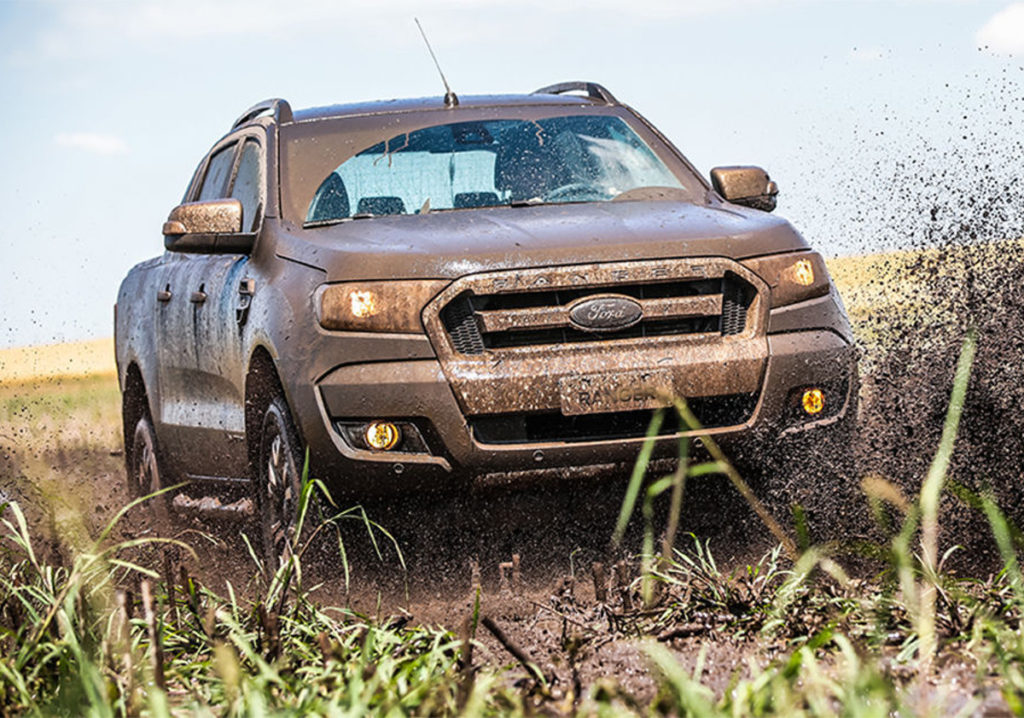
593 90
281 109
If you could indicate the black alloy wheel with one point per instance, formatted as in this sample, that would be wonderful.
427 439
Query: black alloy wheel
279 483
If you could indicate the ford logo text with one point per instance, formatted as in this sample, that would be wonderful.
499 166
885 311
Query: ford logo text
607 313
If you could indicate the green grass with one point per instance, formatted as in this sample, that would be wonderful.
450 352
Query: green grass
42 418
95 394
74 651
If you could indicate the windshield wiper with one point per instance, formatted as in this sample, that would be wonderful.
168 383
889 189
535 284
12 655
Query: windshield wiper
323 222
427 209
532 202
337 220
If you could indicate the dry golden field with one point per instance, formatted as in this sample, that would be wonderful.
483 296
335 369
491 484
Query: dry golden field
861 279
60 435
86 358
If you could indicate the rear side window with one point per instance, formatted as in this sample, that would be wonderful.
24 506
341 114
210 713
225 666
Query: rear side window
218 173
248 186
192 183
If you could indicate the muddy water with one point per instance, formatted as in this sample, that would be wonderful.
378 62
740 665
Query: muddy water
909 384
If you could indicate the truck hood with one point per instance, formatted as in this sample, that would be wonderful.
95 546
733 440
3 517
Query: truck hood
451 244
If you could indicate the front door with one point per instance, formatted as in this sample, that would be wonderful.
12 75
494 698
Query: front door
219 390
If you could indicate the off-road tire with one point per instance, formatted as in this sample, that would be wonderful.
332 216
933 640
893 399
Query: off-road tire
278 483
145 475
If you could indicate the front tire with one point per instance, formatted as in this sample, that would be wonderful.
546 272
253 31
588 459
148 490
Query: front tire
279 483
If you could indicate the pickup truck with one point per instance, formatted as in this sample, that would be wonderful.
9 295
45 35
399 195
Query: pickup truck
431 294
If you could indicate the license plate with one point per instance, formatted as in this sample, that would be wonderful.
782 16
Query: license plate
622 391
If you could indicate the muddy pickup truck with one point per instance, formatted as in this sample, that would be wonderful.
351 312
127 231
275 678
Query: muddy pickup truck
433 294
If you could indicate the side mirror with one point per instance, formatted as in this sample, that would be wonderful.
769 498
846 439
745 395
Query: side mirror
746 186
210 226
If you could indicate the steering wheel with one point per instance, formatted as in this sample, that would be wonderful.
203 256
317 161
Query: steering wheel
575 191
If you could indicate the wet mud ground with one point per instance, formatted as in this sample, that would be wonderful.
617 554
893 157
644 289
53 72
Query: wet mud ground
929 300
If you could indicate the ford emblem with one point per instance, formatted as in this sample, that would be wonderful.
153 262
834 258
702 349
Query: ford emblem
605 313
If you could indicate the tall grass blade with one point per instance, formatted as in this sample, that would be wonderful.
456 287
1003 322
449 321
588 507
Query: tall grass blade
1004 541
692 698
931 492
718 456
637 477
676 501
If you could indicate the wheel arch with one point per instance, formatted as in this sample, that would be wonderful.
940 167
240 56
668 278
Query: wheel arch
135 404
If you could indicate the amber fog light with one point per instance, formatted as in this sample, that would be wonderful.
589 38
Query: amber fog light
813 401
382 435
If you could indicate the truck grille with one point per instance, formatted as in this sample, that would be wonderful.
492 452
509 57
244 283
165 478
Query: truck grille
479 322
522 342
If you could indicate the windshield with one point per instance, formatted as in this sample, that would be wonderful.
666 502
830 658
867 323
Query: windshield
490 163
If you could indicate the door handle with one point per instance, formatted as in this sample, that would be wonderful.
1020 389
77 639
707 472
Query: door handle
164 295
198 297
246 288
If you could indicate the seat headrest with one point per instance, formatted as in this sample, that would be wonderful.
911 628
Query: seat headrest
464 200
380 205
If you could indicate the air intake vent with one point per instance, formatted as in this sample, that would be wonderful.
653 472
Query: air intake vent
462 327
711 411
736 300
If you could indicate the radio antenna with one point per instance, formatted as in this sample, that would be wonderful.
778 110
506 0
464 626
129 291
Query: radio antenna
450 98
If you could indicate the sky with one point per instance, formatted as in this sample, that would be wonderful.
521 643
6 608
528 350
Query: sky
886 123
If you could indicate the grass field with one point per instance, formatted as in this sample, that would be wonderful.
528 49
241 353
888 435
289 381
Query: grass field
789 633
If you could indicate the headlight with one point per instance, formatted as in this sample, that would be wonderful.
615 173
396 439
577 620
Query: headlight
792 277
376 306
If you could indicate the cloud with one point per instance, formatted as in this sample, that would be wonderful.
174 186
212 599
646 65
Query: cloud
1003 34
92 142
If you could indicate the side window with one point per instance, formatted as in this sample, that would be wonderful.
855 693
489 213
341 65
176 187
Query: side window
248 187
218 173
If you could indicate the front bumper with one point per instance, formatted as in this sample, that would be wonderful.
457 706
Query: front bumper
418 391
